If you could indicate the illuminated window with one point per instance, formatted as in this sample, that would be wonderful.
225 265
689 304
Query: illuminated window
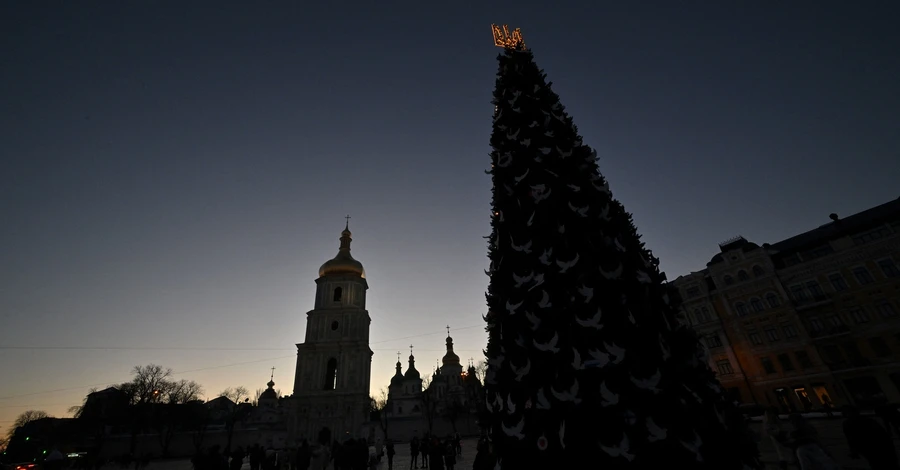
331 375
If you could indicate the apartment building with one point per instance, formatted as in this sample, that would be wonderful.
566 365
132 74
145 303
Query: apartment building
809 321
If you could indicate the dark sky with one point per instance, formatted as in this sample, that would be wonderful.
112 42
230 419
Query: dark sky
173 173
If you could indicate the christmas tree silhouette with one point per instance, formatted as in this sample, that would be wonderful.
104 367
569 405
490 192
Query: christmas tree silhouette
588 360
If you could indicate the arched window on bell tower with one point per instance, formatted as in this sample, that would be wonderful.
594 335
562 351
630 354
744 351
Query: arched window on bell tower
338 292
331 373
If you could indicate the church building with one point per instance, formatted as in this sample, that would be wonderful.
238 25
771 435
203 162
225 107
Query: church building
334 363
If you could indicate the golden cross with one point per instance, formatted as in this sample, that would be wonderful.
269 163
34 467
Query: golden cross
448 330
410 350
503 38
273 374
348 220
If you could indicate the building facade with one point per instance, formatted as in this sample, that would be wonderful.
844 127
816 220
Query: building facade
808 322
334 363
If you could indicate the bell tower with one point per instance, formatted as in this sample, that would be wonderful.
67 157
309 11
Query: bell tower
334 363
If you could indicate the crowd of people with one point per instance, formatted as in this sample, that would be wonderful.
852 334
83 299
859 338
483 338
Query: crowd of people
440 453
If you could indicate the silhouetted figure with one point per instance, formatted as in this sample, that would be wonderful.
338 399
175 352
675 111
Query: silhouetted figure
255 457
303 456
458 444
867 439
425 449
390 455
450 454
320 452
436 454
414 453
484 458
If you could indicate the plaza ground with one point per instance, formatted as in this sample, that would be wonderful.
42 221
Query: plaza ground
830 433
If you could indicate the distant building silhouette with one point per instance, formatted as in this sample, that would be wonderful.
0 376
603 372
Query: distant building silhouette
809 322
331 382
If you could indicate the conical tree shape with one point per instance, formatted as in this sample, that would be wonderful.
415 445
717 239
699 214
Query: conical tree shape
588 362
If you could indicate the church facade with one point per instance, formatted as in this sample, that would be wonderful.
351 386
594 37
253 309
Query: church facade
334 363
449 404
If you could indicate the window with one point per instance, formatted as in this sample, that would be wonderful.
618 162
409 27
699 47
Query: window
798 292
724 367
815 324
334 325
879 346
772 299
771 333
755 338
790 331
337 294
713 341
862 276
785 361
331 374
886 310
741 309
742 275
693 291
803 359
859 315
834 320
815 289
728 280
889 268
758 271
837 282
768 365
703 316
756 305
871 235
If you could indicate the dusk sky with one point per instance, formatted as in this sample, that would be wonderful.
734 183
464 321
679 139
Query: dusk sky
173 173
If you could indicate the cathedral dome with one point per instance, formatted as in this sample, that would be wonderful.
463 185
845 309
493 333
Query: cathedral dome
343 263
269 393
411 372
450 358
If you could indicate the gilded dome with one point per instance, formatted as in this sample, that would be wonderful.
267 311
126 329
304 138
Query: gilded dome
343 263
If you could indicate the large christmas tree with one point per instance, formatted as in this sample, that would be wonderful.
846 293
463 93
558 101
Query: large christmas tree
588 362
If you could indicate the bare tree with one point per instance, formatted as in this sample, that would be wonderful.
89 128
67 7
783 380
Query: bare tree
26 417
238 412
258 393
480 370
150 384
429 403
181 392
381 407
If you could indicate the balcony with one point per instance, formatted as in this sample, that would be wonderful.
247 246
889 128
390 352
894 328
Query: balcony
811 302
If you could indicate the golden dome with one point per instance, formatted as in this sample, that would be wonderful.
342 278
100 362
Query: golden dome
343 263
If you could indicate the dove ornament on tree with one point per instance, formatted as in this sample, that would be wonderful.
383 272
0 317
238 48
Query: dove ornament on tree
583 328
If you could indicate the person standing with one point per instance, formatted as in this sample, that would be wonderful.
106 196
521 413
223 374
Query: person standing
414 453
390 455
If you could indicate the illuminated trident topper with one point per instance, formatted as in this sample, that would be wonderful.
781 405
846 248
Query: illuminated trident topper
503 38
